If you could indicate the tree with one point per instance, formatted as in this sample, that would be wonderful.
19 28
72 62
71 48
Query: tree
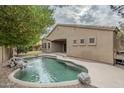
22 26
23 49
121 33
119 9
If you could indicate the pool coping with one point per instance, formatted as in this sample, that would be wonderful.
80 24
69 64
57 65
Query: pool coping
43 85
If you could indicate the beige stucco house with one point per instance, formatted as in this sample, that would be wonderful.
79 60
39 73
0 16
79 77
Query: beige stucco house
97 43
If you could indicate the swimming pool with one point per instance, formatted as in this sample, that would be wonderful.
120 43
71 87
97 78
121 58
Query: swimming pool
49 70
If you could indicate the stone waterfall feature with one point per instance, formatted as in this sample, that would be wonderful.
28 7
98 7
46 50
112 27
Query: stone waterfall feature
84 78
17 62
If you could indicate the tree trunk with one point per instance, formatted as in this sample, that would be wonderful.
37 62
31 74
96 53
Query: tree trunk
2 54
11 52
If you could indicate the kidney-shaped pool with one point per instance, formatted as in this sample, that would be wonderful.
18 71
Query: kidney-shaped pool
48 70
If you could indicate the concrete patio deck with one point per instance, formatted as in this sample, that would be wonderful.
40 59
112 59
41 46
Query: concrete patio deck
102 75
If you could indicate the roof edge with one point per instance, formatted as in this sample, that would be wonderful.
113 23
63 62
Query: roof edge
108 28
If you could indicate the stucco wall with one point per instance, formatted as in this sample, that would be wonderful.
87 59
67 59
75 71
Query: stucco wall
54 46
5 54
102 51
46 49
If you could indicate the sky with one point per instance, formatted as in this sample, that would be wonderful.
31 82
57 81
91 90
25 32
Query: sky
87 15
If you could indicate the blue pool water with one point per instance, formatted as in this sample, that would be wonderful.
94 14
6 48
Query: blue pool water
46 70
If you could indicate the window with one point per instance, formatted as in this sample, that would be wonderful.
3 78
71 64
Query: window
45 45
82 41
48 45
74 41
92 41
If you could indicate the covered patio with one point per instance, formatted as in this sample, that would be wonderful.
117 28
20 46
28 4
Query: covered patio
59 45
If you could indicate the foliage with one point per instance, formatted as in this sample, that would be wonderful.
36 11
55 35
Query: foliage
23 25
121 33
23 49
119 9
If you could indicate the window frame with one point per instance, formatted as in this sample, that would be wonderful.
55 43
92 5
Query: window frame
45 45
94 40
84 41
74 43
